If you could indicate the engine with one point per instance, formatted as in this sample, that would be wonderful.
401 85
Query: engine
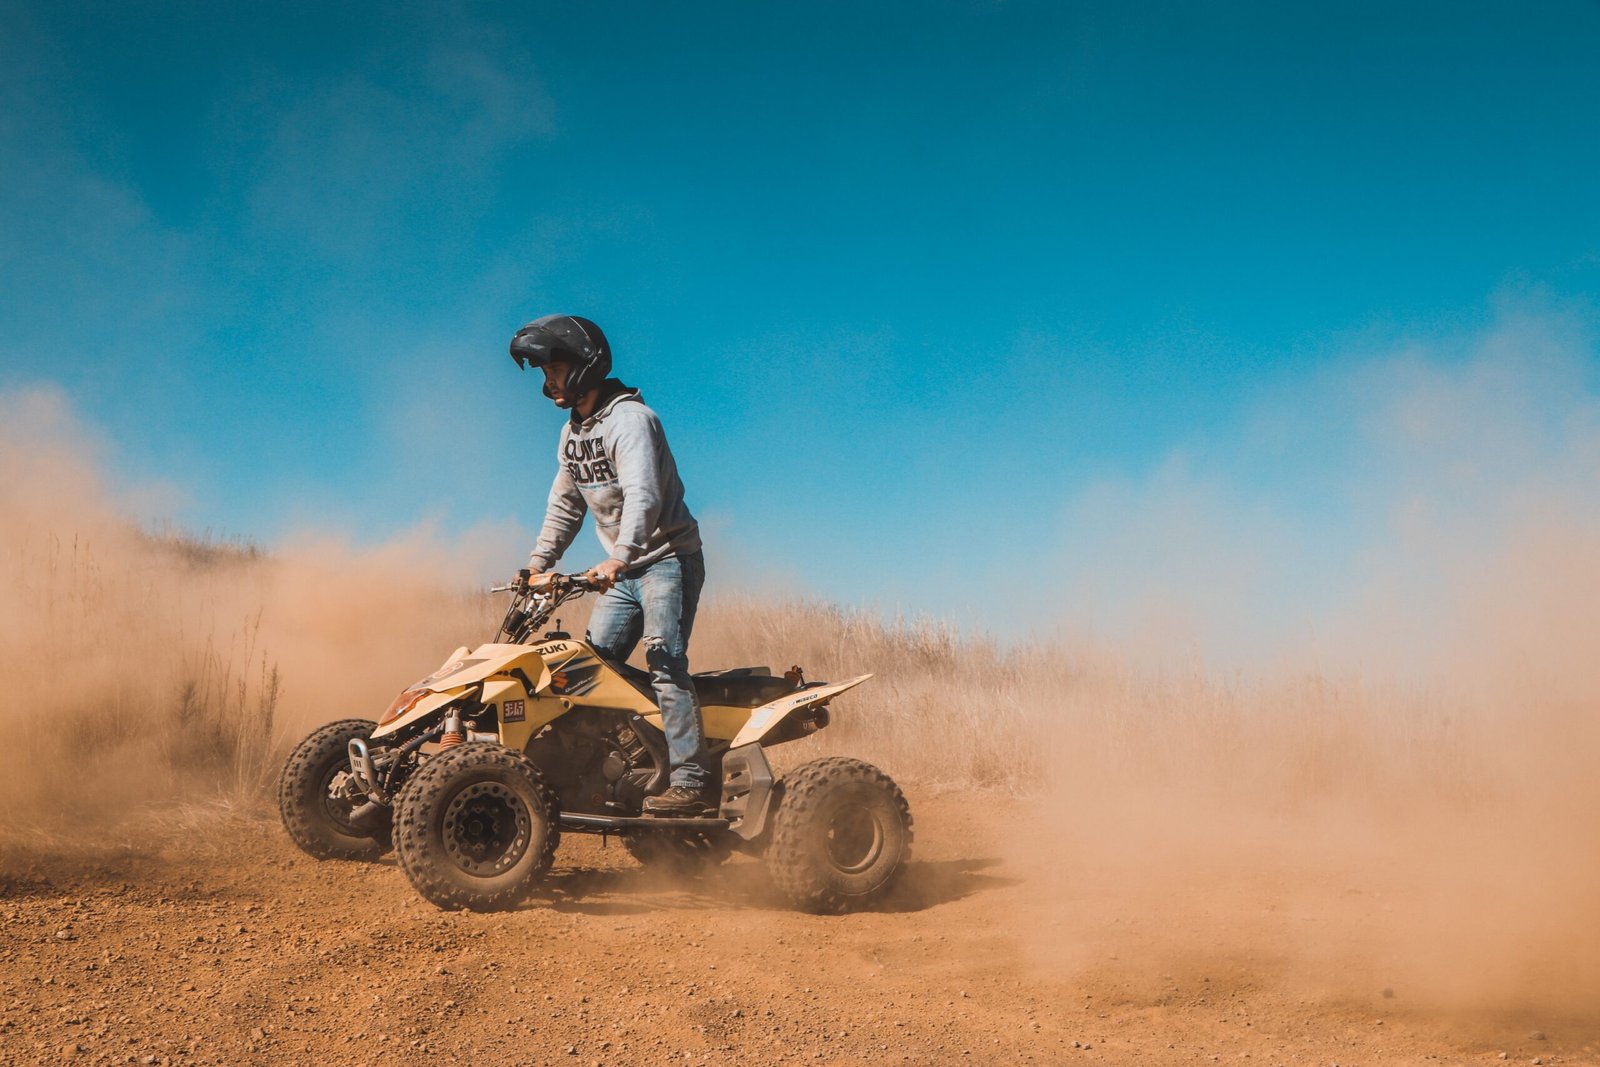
599 763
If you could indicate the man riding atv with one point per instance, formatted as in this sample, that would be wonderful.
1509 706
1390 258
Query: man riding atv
613 460
473 774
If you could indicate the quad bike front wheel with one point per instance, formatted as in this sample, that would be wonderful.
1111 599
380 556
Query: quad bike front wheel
475 827
319 823
840 837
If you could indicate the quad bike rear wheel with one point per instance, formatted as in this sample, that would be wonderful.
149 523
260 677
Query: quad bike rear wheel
320 824
840 837
475 827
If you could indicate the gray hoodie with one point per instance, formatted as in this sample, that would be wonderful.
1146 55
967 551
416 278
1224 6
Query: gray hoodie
616 463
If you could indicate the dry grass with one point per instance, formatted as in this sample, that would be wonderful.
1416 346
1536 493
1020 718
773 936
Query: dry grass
126 695
940 708
181 673
948 710
149 674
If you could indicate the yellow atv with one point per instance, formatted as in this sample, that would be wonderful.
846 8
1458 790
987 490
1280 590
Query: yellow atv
474 772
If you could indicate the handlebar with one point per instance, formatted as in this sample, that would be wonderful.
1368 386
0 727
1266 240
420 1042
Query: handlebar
532 608
557 582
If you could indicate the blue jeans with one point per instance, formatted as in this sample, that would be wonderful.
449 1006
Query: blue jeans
658 602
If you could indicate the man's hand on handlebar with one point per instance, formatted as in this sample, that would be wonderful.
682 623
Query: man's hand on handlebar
606 574
526 580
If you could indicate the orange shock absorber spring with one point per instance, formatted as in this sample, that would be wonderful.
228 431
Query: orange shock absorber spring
453 733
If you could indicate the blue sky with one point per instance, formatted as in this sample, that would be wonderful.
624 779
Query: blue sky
913 286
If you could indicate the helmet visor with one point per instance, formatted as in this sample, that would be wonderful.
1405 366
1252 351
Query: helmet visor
534 346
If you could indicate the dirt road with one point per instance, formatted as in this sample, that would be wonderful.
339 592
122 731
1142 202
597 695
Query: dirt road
249 952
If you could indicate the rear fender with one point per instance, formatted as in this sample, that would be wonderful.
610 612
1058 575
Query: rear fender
765 720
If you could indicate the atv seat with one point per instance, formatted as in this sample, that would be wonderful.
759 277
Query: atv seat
740 687
737 687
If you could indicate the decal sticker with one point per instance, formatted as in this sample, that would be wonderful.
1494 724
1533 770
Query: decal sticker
545 650
588 463
577 677
515 711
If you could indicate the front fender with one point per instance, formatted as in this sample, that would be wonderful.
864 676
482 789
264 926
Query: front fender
494 690
430 703
463 671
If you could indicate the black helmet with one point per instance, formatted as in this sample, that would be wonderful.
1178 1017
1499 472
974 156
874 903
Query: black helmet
565 339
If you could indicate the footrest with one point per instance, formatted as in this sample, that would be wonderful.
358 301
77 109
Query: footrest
574 821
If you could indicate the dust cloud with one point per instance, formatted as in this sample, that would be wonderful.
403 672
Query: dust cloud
1391 787
145 670
1337 735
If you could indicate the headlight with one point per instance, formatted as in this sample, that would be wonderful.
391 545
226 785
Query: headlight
402 704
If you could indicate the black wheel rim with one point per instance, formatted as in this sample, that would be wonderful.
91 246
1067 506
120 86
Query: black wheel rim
337 809
487 828
854 839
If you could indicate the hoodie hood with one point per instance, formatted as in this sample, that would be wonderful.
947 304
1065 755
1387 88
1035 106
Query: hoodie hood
612 393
